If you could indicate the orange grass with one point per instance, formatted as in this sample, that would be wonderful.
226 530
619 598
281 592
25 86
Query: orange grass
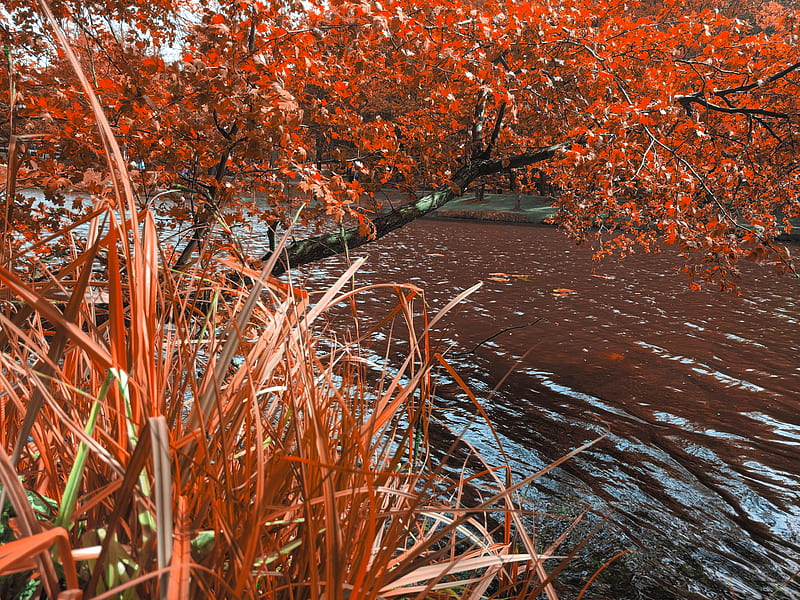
195 441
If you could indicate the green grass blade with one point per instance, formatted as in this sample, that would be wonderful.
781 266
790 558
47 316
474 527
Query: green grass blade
70 497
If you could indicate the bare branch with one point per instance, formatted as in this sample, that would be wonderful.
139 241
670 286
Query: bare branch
498 125
697 98
759 83
476 140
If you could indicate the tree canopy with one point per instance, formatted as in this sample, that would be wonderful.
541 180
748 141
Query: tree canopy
665 121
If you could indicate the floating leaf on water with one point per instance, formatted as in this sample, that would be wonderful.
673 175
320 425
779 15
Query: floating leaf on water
500 279
434 254
564 291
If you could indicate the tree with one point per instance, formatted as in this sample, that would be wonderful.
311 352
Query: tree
663 122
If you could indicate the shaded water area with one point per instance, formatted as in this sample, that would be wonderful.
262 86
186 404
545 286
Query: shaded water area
699 393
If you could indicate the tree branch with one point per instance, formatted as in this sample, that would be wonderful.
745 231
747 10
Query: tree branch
202 222
697 98
322 246
759 83
476 141
498 125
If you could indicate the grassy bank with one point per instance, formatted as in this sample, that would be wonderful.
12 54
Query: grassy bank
507 208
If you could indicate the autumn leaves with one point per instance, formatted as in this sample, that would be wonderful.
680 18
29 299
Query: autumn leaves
650 120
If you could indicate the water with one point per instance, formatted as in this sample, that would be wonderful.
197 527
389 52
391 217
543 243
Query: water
697 391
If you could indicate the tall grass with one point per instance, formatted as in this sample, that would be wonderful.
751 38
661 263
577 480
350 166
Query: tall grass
177 436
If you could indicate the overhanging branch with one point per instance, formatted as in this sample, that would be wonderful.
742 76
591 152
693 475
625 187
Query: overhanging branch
322 246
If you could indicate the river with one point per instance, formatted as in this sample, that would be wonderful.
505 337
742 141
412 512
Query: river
698 392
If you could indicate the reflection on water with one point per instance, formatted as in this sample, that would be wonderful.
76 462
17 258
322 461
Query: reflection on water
699 391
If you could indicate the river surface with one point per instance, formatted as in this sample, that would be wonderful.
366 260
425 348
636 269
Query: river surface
697 391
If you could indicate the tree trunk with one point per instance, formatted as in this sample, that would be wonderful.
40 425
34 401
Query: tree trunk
542 184
514 185
480 194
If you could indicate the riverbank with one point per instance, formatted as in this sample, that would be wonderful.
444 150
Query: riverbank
499 208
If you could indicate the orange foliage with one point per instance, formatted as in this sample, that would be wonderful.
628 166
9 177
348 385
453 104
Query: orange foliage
678 119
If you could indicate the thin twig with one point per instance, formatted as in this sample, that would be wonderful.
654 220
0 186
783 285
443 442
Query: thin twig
502 331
